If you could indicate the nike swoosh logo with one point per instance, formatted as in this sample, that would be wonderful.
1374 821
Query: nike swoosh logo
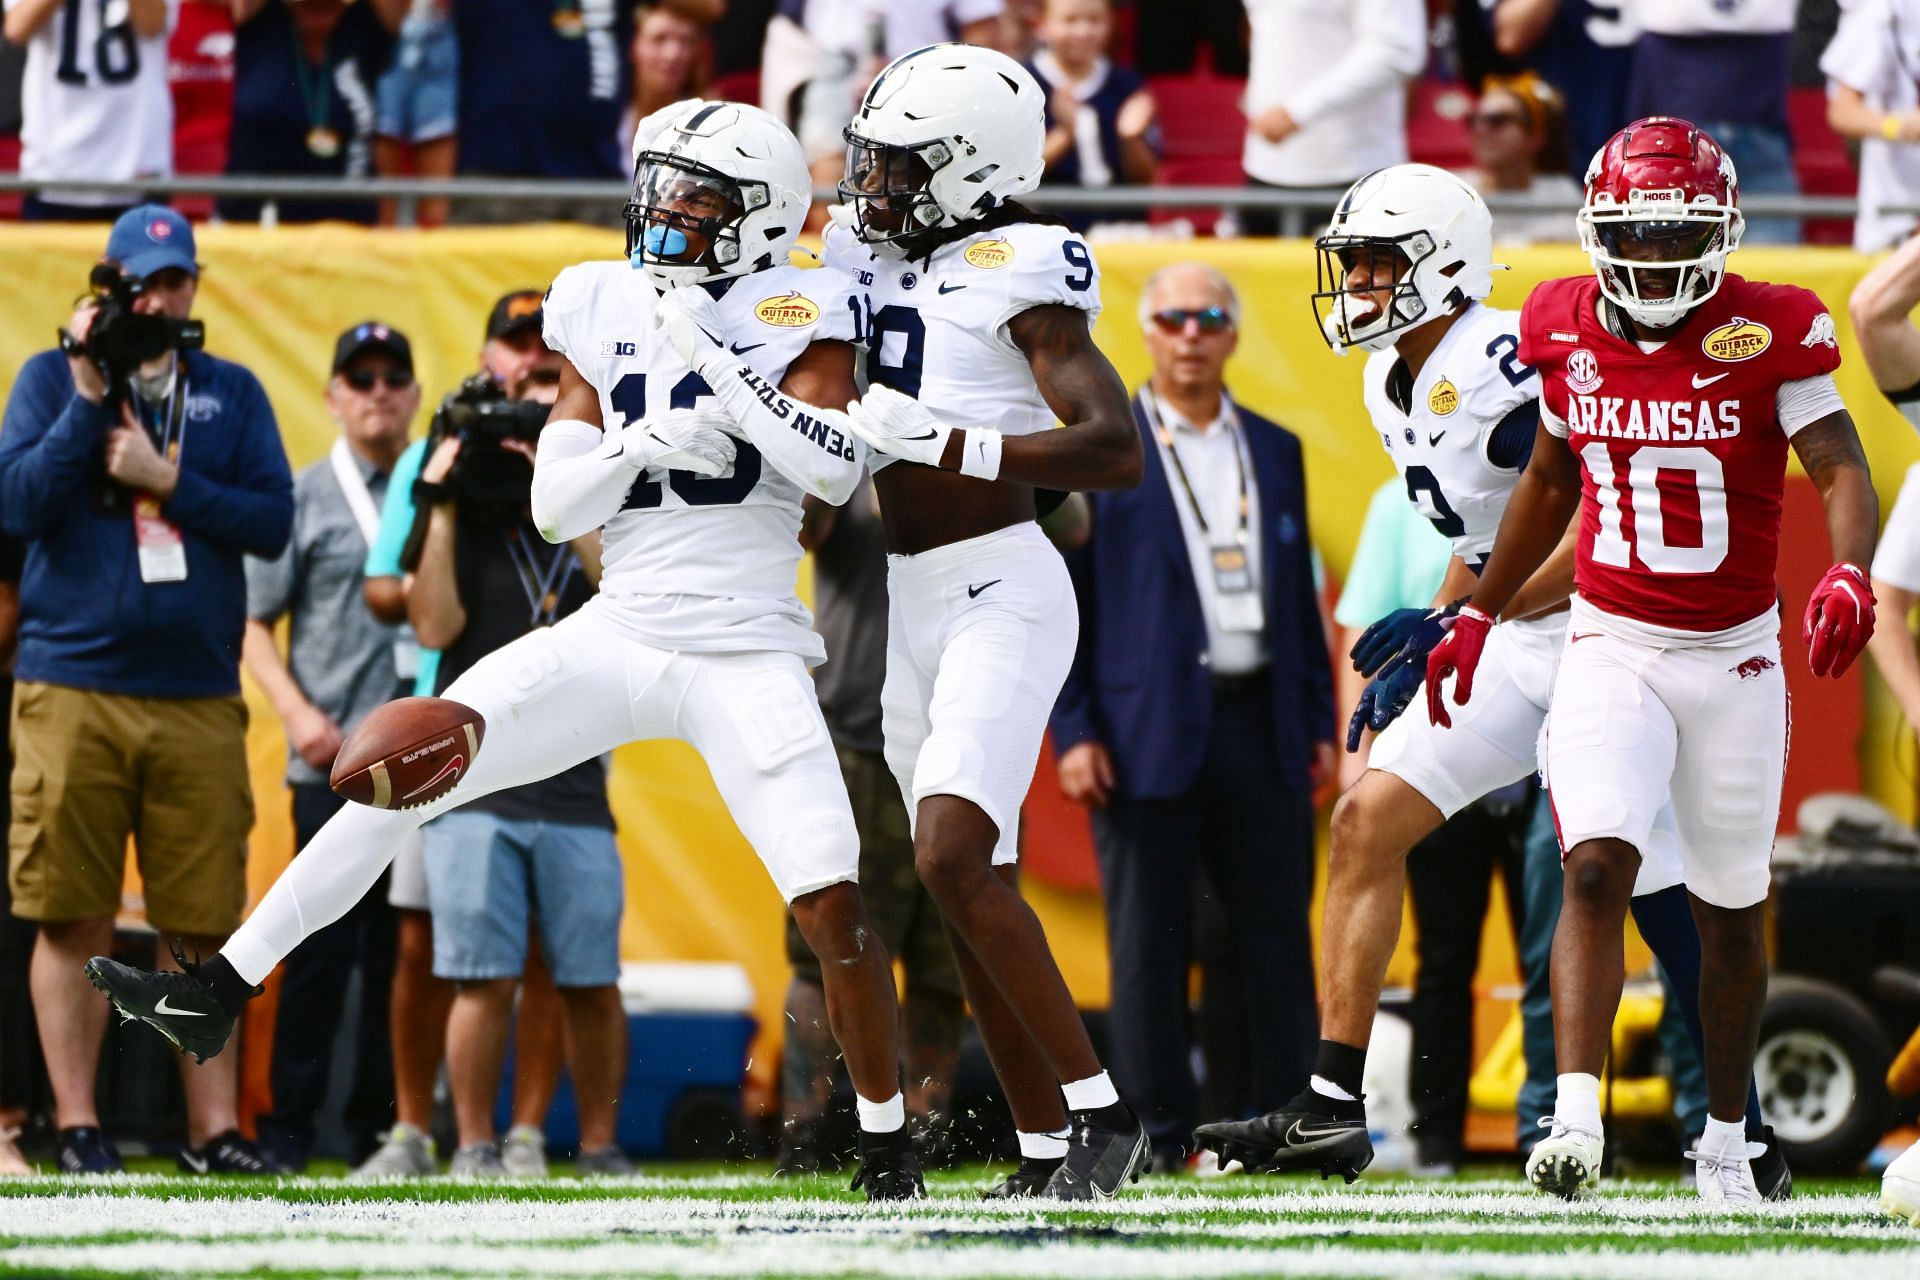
740 350
1699 382
1579 636
196 1163
974 592
951 288
712 337
452 766
161 1006
927 436
1434 439
1300 1135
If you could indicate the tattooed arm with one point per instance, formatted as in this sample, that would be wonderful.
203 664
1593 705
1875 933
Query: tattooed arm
1830 451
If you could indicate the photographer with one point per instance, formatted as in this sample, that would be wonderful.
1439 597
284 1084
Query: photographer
543 853
127 715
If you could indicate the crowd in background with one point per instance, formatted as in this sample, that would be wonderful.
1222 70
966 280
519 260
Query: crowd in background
1804 94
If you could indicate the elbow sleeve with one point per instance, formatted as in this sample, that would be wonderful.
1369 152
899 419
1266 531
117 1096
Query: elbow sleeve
580 479
813 447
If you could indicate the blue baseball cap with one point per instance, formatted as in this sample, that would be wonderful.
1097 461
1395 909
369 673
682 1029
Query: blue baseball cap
151 238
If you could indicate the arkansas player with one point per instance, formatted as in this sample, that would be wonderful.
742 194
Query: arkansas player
1670 392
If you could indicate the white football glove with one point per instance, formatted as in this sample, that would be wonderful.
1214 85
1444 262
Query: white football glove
691 321
899 426
695 440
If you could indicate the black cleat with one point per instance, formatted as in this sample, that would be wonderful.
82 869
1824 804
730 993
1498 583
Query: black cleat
228 1152
888 1168
1310 1133
177 1005
1029 1178
1106 1150
87 1150
1770 1172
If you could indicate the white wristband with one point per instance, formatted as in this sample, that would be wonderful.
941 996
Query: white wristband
980 454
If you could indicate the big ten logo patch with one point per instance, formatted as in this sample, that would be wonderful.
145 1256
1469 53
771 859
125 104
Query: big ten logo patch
989 255
1737 339
788 311
614 347
1443 399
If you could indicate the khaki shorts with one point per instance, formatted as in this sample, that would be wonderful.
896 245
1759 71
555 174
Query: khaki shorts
898 905
91 769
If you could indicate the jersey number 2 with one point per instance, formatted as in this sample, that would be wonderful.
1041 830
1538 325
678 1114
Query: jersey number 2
1645 466
629 397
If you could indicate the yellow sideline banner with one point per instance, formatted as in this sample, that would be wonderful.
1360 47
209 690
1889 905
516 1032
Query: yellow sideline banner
274 300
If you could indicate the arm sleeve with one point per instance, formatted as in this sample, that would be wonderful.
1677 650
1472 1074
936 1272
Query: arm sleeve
1897 560
581 478
48 445
1075 718
1388 46
255 513
1805 401
396 515
1510 443
813 447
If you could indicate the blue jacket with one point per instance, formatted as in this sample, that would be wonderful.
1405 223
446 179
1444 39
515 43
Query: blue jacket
86 619
1139 682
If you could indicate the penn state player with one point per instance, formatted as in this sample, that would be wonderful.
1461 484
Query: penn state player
1671 393
1403 270
976 319
695 633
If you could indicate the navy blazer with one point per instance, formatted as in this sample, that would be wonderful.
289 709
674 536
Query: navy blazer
1140 684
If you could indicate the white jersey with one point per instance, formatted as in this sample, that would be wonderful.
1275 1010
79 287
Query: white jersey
1470 383
936 329
94 101
691 563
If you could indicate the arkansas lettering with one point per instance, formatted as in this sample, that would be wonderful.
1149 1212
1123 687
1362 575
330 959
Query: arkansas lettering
1624 419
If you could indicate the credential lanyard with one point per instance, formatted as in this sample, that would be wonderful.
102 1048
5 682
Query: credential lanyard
542 583
1158 423
354 486
1236 596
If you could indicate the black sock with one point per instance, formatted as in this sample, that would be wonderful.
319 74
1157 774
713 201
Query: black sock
1341 1064
229 988
1114 1116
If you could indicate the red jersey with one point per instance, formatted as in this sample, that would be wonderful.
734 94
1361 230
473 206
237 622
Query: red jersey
1683 458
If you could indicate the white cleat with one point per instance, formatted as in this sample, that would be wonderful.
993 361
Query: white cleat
1726 1177
1567 1160
1900 1187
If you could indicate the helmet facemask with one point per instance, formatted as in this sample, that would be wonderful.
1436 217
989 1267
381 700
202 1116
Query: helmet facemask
1657 260
1352 316
889 188
683 222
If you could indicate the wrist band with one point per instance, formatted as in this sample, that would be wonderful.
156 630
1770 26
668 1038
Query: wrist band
1890 128
980 454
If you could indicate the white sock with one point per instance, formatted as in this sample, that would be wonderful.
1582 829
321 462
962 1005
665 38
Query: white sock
1090 1094
881 1117
1724 1136
1043 1146
1578 1102
1328 1089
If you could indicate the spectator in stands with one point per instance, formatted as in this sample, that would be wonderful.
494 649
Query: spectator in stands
341 663
514 356
919 23
1198 715
16 1016
1100 117
543 86
94 102
304 72
200 73
1881 307
1584 48
1327 96
850 612
539 855
417 114
669 61
127 717
1873 97
1726 68
1519 146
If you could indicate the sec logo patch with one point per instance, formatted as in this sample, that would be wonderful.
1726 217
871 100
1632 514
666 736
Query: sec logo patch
989 255
1443 399
788 311
1737 339
1583 371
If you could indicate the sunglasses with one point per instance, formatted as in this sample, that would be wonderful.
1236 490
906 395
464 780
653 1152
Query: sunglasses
1174 319
363 379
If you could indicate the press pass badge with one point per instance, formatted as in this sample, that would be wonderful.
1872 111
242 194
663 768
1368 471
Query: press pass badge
163 555
1237 602
406 653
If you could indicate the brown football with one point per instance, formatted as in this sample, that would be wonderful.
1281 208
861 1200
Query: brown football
409 752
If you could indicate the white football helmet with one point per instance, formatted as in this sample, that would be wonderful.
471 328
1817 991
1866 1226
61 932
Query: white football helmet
1429 223
724 171
943 136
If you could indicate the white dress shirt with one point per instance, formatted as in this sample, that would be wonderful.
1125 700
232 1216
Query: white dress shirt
1215 458
1875 52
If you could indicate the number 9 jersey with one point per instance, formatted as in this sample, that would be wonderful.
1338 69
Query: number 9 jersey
935 328
691 563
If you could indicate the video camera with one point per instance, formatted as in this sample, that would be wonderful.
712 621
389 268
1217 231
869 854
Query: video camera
491 483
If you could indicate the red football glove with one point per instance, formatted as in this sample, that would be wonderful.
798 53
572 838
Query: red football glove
1839 620
1457 654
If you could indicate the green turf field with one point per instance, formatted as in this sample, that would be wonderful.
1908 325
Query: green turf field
744 1224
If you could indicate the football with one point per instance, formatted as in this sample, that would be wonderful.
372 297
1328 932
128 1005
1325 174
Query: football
410 752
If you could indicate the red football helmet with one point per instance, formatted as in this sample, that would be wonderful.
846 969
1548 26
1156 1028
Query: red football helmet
1660 217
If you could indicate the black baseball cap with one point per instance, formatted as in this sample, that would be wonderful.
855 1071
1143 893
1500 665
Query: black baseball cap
371 335
514 313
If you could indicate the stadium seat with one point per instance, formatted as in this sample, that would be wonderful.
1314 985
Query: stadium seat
1437 112
1202 125
1822 160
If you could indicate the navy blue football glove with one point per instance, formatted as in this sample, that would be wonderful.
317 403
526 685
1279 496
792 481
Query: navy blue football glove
1385 697
1384 638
